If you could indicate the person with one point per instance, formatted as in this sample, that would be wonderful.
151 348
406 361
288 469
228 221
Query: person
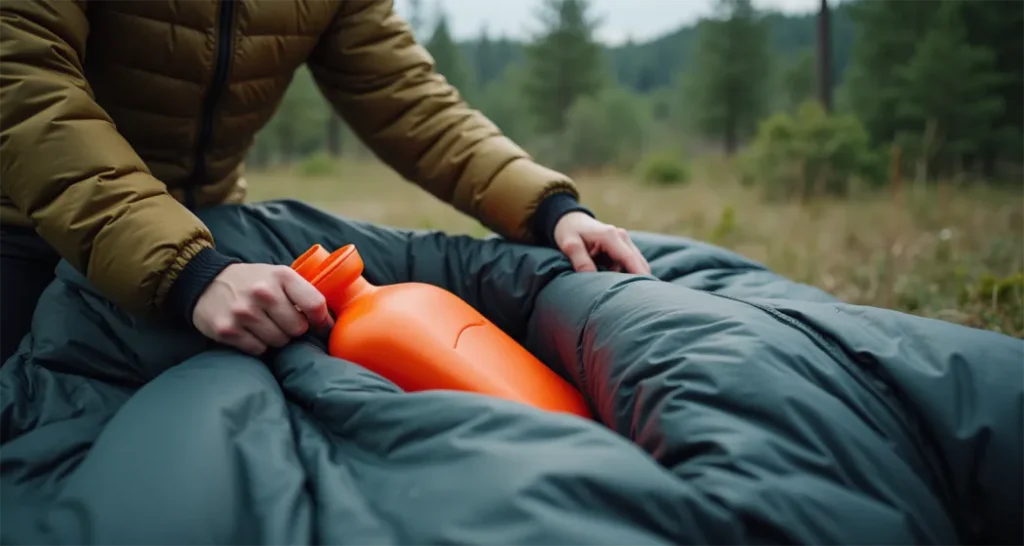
119 120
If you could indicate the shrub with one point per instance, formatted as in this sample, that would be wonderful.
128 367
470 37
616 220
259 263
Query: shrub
605 130
318 164
664 169
725 227
810 153
1007 291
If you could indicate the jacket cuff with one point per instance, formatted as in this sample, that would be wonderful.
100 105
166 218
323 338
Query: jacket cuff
193 280
510 201
550 211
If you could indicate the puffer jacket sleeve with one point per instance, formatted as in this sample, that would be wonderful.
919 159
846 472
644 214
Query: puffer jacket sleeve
64 164
383 83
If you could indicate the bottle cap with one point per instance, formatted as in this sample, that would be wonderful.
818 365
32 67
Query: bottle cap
311 262
338 271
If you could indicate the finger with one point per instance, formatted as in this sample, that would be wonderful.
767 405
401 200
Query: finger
640 256
267 331
578 255
306 298
643 259
249 314
644 267
281 310
245 341
624 254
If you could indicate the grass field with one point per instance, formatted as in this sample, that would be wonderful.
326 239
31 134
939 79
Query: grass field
945 252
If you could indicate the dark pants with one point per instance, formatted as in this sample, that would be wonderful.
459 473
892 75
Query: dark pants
26 269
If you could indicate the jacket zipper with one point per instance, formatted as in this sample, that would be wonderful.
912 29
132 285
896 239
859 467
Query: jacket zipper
225 40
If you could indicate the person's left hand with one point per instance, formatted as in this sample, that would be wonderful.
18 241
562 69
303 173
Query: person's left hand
587 241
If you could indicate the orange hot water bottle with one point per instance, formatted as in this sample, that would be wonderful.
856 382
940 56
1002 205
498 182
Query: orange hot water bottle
422 337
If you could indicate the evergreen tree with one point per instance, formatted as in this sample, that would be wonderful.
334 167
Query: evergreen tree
730 78
798 82
448 58
887 35
997 25
298 126
939 77
506 52
947 92
563 64
483 59
503 104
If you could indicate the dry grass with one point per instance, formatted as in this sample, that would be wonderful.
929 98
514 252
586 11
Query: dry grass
953 254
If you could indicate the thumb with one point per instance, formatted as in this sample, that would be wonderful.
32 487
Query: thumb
574 248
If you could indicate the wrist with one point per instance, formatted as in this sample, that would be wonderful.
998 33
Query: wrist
194 279
550 211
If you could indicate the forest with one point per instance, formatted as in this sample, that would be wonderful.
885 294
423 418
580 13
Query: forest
875 148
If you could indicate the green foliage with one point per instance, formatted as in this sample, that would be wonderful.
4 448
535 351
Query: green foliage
799 82
886 36
605 130
504 105
932 75
664 169
996 25
1009 290
941 78
448 58
564 64
491 56
318 164
1001 297
484 58
725 227
810 153
728 83
646 66
946 92
299 126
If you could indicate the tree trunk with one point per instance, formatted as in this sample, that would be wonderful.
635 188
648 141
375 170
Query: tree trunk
824 57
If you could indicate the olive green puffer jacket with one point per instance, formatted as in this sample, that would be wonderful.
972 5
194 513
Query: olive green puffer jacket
115 115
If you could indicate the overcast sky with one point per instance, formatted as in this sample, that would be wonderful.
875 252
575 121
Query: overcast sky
640 19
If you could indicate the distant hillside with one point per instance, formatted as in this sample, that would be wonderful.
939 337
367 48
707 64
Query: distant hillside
649 65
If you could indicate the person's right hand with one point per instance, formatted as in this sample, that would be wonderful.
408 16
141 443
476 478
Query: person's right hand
256 306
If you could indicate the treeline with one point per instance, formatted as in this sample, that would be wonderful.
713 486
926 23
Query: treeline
938 83
648 66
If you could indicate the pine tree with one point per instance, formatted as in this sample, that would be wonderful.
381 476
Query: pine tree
936 76
448 58
297 126
887 35
729 86
948 91
484 59
996 25
798 81
563 64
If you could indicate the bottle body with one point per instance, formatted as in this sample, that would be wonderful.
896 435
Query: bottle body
422 337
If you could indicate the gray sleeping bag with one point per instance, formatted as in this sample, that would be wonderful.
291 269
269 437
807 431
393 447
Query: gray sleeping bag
733 406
